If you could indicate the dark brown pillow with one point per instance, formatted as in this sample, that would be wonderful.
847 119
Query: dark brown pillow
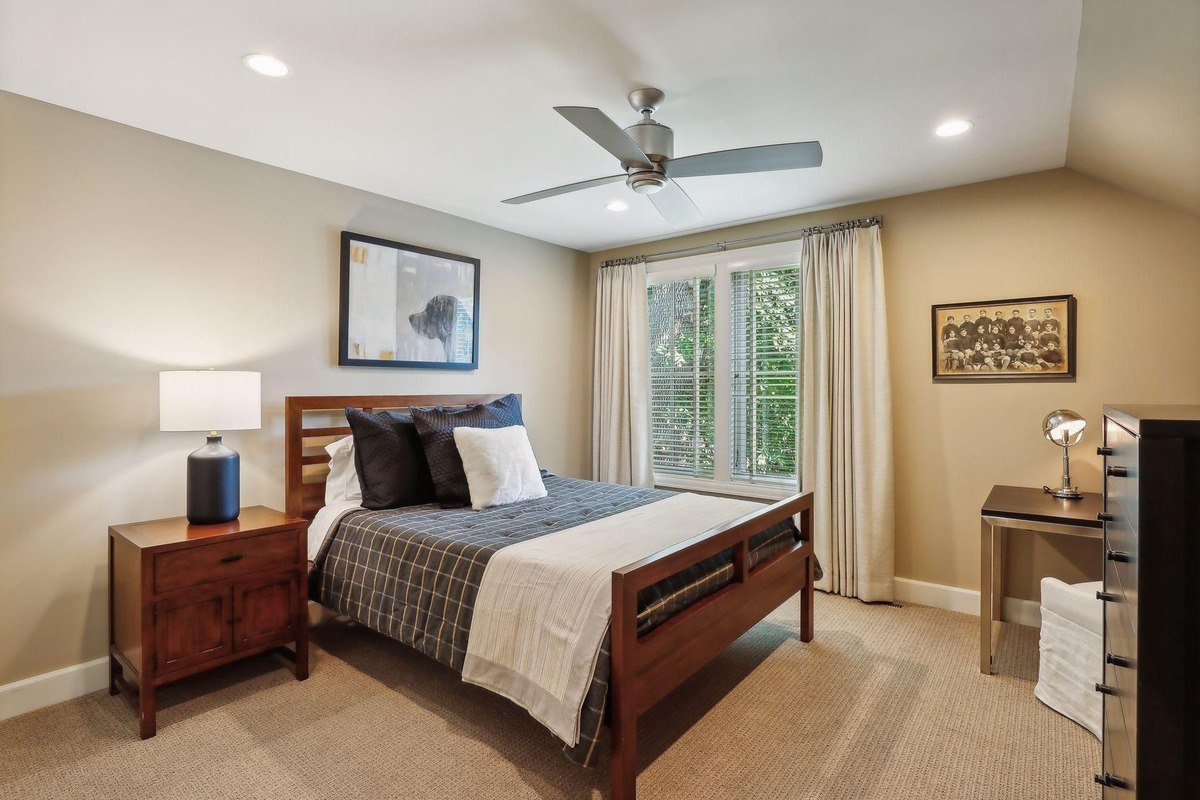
390 459
436 428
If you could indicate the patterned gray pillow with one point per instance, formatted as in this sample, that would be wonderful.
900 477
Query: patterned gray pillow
436 429
389 459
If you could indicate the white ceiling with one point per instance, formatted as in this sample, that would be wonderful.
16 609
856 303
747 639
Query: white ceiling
448 104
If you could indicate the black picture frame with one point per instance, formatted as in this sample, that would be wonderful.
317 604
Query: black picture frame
941 373
349 241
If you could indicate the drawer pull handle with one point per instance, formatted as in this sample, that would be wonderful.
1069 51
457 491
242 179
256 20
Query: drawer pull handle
1104 516
231 558
1104 688
1116 472
1118 661
1115 781
1119 556
1108 597
1104 451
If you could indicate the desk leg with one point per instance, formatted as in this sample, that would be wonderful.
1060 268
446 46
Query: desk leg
997 573
986 605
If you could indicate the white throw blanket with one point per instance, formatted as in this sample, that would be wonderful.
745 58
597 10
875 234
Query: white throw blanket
544 605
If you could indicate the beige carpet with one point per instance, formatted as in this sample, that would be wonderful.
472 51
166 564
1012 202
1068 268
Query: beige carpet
885 703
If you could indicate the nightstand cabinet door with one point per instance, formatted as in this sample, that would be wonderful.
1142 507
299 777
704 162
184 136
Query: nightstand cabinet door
265 610
193 628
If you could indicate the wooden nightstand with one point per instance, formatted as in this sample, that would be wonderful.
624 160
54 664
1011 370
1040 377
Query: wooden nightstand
186 598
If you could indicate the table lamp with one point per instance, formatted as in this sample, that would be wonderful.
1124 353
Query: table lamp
210 400
1064 428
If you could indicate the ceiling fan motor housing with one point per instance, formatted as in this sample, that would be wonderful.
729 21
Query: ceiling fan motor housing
658 143
655 139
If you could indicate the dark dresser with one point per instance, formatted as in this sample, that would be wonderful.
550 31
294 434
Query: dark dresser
1151 592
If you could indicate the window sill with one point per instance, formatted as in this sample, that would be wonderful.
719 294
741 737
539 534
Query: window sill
757 491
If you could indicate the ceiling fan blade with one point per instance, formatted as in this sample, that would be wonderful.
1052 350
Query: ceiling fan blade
766 158
557 190
596 125
674 205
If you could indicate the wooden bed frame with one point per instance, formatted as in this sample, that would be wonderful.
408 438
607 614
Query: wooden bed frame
644 668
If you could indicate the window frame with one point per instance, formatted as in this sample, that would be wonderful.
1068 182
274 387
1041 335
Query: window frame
719 266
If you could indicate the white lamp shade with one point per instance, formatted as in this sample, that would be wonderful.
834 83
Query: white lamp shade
209 400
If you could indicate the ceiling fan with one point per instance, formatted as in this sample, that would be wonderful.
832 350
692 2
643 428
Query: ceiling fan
646 151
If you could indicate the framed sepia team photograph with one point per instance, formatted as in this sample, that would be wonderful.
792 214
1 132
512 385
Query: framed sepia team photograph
1021 339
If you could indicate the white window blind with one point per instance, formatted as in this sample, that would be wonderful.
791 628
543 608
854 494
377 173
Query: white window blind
682 373
764 325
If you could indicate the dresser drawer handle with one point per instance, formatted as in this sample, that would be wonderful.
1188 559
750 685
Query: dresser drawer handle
1118 555
1108 597
1118 661
1104 688
1104 451
1115 781
1104 516
1116 472
232 558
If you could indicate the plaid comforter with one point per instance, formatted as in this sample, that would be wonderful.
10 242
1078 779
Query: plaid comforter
413 573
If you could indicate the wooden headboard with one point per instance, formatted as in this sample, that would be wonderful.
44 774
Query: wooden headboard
304 447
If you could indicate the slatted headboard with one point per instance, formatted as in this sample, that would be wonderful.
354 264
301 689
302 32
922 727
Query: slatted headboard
305 488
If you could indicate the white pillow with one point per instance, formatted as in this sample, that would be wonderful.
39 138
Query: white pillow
500 465
342 481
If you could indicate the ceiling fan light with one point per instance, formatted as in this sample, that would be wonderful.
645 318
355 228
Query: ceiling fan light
647 182
616 205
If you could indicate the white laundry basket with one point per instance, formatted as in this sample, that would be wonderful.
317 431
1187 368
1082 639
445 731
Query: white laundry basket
1072 651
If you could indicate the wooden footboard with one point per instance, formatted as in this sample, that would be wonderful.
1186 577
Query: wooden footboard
645 668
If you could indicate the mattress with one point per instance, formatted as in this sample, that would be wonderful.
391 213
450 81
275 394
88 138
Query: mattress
413 573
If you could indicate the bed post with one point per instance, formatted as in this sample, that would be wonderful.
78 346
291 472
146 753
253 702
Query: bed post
293 453
810 565
622 682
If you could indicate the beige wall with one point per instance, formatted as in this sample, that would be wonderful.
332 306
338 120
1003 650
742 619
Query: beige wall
1134 266
123 253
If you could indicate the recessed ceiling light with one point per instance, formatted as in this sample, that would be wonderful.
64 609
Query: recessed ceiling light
952 128
617 205
267 65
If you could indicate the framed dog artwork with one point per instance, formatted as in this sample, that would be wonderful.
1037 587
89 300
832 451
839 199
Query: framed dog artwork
1020 339
406 306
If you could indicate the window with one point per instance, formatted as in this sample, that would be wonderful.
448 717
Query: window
682 377
724 371
764 327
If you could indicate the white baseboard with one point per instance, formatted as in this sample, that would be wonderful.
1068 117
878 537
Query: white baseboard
53 687
71 682
965 601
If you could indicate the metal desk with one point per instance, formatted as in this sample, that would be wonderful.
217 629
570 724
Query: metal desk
1030 509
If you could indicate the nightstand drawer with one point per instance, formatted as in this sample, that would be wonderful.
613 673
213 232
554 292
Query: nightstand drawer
192 566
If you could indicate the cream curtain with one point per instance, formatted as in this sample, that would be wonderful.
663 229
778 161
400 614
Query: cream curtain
621 383
846 412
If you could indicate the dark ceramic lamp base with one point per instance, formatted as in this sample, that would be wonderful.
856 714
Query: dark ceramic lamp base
213 483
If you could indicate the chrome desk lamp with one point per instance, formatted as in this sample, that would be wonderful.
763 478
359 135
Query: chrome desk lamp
1064 428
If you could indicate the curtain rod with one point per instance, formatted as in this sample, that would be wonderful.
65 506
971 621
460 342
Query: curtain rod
720 247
